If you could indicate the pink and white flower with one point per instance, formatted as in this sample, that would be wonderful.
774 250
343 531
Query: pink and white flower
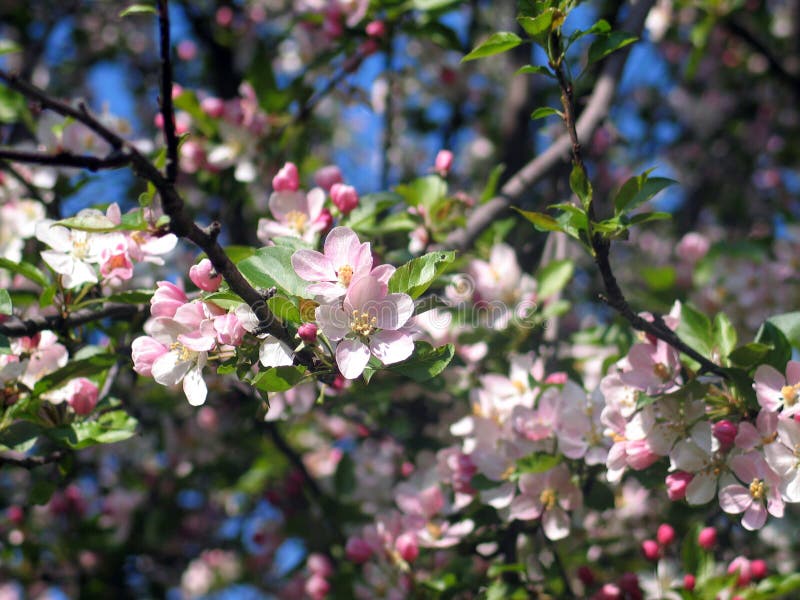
369 322
549 495
295 214
761 495
776 392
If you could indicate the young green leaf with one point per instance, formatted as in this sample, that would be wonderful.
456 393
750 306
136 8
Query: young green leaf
279 379
545 111
541 221
535 69
417 275
426 362
606 44
499 42
138 9
6 307
272 266
580 184
552 278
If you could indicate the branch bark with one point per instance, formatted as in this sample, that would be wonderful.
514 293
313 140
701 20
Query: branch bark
18 459
16 327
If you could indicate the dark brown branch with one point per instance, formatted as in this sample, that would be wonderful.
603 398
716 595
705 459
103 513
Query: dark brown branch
167 110
601 246
16 327
596 110
181 224
18 459
115 160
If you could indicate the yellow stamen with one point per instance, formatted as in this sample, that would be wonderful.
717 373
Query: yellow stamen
548 498
757 489
363 323
789 393
345 275
296 220
661 371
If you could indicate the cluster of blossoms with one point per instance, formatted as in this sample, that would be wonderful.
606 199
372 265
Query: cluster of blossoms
300 214
356 310
96 253
183 332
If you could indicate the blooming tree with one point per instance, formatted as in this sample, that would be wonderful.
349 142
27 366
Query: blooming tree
242 368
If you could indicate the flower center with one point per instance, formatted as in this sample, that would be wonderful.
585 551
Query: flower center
520 387
768 439
757 489
661 371
296 220
789 393
345 275
80 245
184 353
363 323
434 530
548 498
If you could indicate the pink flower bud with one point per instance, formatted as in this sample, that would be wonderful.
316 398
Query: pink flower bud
187 50
707 538
376 29
725 431
224 16
204 276
692 247
326 177
317 587
167 299
677 484
629 583
688 582
651 550
741 565
144 352
84 396
344 197
407 546
319 564
609 591
229 330
443 162
665 534
287 179
407 468
15 514
357 550
758 569
307 332
640 455
213 107
557 378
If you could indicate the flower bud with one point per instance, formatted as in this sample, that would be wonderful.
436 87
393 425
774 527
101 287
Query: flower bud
676 485
204 276
758 569
651 550
319 564
307 332
327 176
83 398
287 179
407 546
357 550
665 534
688 582
742 566
344 197
443 162
376 29
317 587
586 575
213 107
325 219
725 431
707 538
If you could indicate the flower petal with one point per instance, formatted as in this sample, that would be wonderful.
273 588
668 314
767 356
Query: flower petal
194 386
391 346
274 353
352 357
313 266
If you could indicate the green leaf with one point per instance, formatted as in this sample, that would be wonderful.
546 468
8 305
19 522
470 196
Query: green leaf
750 354
224 299
279 379
85 367
491 184
108 428
695 329
606 44
425 362
9 47
552 278
501 41
27 270
272 266
292 242
599 28
538 27
538 462
780 352
424 191
6 307
41 491
724 334
638 190
284 309
541 221
417 275
789 324
20 435
138 9
545 111
535 69
646 217
659 279
579 183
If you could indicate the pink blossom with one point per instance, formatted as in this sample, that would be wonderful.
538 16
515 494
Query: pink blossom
83 395
327 176
783 456
651 550
665 534
287 179
443 162
725 431
295 214
46 355
229 330
357 550
144 352
548 495
775 392
654 368
204 276
115 264
213 107
407 546
317 587
707 538
344 197
307 332
692 247
761 495
741 566
676 485
376 29
167 299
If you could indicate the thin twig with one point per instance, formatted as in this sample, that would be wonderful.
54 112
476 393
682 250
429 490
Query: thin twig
115 160
16 327
18 459
596 110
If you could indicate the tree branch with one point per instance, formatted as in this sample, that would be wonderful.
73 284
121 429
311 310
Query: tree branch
596 110
167 111
19 459
114 160
16 327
